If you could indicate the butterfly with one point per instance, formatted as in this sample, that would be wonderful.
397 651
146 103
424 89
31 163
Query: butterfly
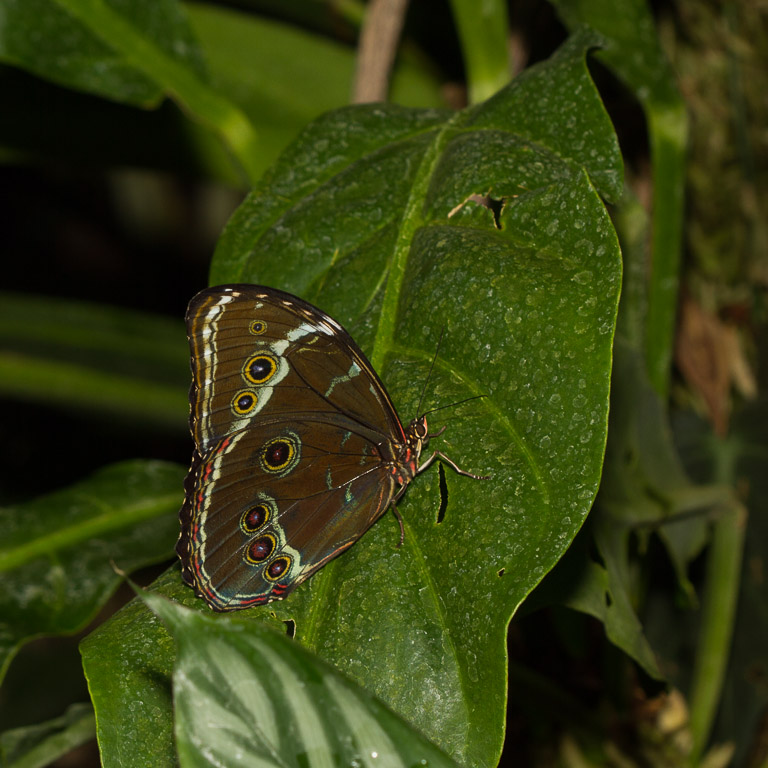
298 447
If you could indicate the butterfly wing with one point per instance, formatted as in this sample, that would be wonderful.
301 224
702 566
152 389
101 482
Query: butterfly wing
297 445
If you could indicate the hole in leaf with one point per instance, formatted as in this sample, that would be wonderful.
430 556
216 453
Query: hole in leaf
500 572
608 599
443 494
290 627
494 204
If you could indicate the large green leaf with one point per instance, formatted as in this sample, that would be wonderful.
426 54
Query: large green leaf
58 553
364 217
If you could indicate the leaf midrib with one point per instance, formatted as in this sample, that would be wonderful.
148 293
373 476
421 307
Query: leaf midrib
383 342
411 220
112 519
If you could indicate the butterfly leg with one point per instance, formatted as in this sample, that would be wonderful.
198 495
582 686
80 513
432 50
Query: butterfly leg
399 520
452 464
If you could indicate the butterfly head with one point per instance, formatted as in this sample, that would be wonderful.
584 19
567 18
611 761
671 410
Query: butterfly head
418 433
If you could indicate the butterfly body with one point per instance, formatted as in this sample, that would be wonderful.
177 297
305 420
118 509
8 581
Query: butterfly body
298 448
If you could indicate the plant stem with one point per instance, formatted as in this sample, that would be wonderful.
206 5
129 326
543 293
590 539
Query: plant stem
668 130
724 566
483 29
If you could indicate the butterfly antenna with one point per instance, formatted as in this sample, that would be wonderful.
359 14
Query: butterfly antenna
451 405
431 368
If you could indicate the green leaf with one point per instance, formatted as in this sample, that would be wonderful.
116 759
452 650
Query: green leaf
102 358
644 489
58 552
36 746
581 584
364 217
243 692
218 64
284 76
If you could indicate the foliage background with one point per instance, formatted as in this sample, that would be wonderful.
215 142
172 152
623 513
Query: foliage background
107 203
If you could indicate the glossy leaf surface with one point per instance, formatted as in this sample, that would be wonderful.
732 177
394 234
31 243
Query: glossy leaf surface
633 51
370 215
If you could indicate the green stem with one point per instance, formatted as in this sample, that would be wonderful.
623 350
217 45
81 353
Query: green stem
483 30
724 566
668 129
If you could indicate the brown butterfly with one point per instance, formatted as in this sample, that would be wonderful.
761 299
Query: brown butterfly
298 448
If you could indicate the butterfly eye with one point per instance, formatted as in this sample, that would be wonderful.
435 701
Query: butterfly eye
255 517
418 428
260 549
280 454
259 369
243 402
277 568
257 327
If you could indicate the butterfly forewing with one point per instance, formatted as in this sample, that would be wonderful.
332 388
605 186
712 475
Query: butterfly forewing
238 333
297 445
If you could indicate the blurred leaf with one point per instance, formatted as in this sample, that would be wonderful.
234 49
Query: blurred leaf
342 19
242 692
644 489
284 76
96 357
364 216
58 552
36 746
580 583
47 37
281 77
129 52
633 52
